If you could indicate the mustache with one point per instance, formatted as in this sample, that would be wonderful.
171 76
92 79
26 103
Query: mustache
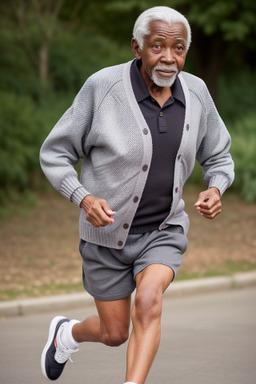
165 68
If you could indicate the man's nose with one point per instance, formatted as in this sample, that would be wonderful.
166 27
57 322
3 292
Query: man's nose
168 56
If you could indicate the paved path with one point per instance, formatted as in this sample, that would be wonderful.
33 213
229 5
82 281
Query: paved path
206 339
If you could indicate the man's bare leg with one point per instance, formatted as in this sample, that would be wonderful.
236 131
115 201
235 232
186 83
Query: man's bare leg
110 326
146 319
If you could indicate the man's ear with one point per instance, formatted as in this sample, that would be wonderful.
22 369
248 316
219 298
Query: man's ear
136 49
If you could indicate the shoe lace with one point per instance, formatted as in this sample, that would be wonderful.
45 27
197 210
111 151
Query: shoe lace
64 354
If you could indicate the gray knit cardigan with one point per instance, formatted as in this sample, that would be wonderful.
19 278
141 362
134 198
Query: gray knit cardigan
105 127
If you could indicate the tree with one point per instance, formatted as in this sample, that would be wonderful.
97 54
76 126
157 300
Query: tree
42 17
219 28
223 31
37 22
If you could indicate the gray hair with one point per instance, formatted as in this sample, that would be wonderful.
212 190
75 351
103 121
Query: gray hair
166 14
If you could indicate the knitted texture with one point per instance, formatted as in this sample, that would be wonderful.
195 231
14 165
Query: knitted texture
105 127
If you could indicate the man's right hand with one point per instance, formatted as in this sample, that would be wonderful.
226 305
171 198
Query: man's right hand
97 211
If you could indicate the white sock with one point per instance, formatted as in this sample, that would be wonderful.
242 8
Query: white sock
129 382
66 335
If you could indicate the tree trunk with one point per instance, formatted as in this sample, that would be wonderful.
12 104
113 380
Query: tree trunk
209 60
44 67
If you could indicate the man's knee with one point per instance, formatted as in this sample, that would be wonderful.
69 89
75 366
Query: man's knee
115 336
147 306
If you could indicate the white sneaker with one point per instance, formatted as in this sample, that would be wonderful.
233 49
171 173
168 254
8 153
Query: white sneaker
62 354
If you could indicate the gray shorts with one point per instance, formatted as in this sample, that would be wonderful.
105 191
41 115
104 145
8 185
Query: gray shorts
109 274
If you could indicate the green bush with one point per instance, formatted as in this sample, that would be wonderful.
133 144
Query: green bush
24 126
75 55
237 96
18 138
243 151
17 74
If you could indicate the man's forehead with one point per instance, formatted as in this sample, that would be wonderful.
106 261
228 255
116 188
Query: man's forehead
161 29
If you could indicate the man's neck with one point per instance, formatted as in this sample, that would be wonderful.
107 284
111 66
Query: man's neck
160 94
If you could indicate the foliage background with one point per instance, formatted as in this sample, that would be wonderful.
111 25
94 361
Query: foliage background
49 48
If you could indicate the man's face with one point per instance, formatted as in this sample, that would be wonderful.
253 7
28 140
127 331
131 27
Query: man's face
163 54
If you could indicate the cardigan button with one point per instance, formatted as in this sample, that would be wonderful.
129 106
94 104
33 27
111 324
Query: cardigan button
187 127
145 131
120 243
145 168
176 189
179 157
126 226
135 199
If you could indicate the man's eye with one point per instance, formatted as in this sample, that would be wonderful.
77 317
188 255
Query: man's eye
156 46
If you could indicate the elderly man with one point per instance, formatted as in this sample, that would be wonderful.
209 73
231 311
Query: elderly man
138 127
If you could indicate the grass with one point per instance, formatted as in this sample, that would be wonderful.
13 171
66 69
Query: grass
19 204
42 291
228 268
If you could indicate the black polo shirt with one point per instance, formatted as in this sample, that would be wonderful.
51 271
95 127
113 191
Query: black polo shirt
166 126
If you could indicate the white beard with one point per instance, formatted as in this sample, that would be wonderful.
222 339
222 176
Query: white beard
160 81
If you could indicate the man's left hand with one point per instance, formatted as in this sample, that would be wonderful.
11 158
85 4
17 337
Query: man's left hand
208 203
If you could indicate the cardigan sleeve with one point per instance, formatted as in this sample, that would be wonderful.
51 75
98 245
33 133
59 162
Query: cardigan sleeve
213 153
65 146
